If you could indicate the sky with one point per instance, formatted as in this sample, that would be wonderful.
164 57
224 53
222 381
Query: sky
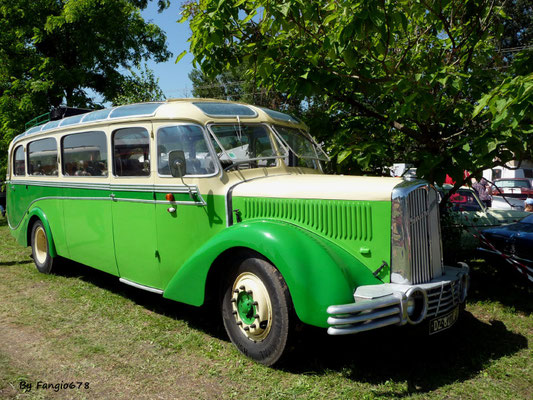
173 78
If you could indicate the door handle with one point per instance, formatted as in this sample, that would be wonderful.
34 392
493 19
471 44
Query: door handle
112 195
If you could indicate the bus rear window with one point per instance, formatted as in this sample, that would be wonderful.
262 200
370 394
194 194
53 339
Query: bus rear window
85 154
42 157
19 167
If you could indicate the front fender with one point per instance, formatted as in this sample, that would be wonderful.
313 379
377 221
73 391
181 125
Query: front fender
318 273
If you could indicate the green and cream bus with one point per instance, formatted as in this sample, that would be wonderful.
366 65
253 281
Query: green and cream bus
195 198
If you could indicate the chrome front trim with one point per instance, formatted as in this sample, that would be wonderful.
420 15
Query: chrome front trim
416 243
136 285
377 306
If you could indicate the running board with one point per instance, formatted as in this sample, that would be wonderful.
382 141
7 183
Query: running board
136 285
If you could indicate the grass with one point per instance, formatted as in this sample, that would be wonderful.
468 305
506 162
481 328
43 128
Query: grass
81 325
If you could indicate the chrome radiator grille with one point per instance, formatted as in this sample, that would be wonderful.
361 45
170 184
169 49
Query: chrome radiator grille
416 242
419 232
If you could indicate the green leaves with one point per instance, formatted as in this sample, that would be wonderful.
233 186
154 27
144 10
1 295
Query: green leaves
419 81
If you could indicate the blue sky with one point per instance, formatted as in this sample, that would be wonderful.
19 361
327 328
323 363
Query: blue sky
173 78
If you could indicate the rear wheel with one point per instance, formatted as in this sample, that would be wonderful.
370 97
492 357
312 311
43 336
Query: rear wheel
40 248
256 308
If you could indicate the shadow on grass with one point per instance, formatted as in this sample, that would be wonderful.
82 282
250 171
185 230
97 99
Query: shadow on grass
197 317
397 354
498 280
408 354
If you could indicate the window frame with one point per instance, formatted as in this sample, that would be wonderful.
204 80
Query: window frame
14 159
112 150
58 163
210 148
63 157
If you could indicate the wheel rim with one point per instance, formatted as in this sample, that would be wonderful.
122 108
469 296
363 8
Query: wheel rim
41 245
252 307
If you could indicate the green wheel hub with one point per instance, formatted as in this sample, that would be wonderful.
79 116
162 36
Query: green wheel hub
246 307
252 308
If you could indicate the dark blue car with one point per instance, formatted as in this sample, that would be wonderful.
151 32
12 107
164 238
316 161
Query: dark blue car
512 242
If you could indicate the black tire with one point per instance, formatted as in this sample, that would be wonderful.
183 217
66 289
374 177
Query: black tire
40 249
262 336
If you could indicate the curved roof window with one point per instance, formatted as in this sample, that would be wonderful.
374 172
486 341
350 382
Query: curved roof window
97 115
72 120
135 109
280 116
51 125
214 109
34 129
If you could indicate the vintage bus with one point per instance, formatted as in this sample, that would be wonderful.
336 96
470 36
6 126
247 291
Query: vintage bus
201 198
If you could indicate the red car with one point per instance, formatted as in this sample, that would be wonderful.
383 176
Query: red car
513 187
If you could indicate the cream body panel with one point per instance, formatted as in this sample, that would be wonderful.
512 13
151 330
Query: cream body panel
334 187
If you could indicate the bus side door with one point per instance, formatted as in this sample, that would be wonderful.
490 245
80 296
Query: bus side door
132 191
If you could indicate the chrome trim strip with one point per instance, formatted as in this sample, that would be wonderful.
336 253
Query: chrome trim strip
52 198
124 187
184 203
348 330
138 286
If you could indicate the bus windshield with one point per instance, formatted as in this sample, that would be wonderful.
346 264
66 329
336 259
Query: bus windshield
245 146
253 146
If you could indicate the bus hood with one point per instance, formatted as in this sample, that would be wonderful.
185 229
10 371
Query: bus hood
331 187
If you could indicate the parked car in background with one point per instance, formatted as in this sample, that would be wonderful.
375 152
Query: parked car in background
514 188
466 214
514 241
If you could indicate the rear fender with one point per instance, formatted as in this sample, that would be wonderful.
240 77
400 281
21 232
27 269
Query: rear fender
32 215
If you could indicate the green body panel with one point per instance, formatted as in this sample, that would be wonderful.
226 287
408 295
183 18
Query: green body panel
360 227
181 233
89 228
135 238
318 272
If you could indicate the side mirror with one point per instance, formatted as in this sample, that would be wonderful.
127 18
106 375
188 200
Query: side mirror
176 163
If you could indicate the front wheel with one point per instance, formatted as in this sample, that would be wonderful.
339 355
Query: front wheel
255 309
40 249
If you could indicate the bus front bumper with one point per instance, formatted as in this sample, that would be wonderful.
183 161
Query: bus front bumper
377 306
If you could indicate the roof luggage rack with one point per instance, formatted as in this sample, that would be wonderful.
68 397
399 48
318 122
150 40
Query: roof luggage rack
55 114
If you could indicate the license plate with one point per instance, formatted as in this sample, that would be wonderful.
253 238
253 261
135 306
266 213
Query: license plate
441 323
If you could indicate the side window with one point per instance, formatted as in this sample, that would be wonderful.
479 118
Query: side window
189 139
42 157
131 152
19 167
84 154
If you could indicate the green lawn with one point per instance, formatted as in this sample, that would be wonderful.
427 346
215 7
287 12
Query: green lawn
82 325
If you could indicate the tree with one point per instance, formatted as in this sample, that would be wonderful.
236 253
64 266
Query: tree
405 80
138 87
53 52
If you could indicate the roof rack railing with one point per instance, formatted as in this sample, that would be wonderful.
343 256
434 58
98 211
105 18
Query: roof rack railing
55 114
41 119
